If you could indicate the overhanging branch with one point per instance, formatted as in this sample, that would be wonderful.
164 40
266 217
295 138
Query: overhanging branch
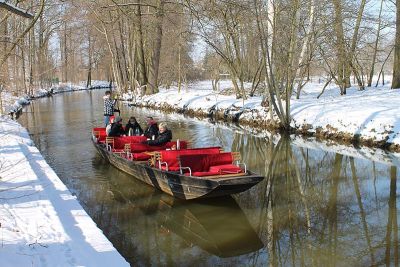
16 10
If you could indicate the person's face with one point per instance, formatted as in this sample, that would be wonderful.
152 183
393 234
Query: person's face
162 129
132 121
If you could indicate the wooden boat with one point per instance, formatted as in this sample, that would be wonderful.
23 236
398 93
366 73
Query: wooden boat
183 185
216 225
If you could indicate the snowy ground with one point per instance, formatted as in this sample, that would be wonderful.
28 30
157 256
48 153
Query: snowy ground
372 114
41 223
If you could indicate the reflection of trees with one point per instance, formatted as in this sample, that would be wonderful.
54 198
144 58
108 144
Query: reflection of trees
362 212
392 227
318 208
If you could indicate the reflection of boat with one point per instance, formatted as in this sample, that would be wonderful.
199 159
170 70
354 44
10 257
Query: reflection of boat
218 226
181 185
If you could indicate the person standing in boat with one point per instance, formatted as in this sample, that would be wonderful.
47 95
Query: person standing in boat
108 107
116 128
152 128
164 136
133 127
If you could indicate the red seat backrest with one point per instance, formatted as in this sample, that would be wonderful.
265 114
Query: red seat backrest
203 162
99 129
119 142
171 156
99 133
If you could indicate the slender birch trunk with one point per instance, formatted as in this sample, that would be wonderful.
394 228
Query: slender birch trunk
371 73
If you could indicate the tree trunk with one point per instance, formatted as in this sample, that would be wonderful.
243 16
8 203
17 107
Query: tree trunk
371 73
396 63
350 56
340 46
141 64
303 54
155 60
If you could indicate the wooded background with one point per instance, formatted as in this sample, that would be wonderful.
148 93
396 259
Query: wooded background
277 46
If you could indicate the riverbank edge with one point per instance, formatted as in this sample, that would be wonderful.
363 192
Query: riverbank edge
23 101
260 124
90 230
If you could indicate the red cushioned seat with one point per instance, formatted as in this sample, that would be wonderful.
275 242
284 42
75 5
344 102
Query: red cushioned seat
99 133
171 156
209 164
226 168
99 129
119 142
117 150
140 156
138 148
132 139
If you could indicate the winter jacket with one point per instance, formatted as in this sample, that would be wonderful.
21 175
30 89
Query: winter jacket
162 139
108 106
151 130
116 130
136 129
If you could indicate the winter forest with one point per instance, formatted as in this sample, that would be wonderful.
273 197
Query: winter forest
277 46
199 132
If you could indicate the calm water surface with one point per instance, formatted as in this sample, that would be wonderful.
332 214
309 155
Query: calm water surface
314 208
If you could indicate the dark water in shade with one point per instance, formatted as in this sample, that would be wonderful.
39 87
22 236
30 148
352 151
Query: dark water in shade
314 208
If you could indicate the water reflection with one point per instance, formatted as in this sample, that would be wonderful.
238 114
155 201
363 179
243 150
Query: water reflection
325 210
314 208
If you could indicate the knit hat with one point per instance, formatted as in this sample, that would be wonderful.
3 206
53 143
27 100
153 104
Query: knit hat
117 119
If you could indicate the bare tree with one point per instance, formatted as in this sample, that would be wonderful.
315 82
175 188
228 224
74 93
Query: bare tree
396 63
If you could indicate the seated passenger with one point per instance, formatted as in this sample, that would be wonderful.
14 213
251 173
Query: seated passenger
164 136
133 127
116 128
152 128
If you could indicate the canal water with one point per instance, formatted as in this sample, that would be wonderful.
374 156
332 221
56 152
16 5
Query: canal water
314 208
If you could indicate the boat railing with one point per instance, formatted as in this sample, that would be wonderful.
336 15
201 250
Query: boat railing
110 143
181 169
161 163
237 159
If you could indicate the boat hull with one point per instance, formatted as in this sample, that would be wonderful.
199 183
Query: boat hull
180 186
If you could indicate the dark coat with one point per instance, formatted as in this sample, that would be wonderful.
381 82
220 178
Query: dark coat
151 130
109 106
137 130
116 130
162 139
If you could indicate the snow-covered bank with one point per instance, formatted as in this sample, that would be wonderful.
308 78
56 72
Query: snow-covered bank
41 223
370 117
13 104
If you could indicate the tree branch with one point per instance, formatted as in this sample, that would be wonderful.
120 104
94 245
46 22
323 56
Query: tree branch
15 10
